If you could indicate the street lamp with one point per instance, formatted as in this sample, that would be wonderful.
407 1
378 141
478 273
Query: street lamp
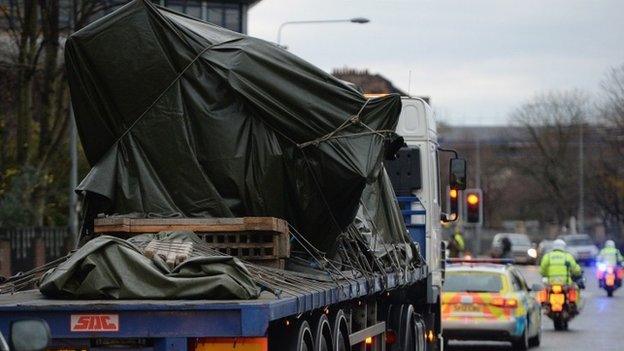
358 20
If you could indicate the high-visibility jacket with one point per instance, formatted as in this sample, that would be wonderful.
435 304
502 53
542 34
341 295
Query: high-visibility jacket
553 267
456 245
610 255
459 240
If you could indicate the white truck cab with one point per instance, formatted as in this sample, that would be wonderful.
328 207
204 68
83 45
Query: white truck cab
416 178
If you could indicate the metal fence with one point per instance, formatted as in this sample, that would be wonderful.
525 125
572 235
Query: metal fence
22 249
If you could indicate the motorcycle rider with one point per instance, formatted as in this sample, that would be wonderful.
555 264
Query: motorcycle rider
559 266
610 255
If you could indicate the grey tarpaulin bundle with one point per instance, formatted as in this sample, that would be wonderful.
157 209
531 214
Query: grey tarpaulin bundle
179 117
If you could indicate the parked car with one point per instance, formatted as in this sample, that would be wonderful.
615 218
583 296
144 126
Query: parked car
484 301
522 250
581 246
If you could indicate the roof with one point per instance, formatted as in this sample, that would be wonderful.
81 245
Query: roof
368 82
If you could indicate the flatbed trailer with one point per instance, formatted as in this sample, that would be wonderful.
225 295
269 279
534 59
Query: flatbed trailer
175 324
398 310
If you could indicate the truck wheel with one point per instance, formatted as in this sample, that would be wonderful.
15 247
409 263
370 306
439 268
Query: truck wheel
298 338
340 331
419 326
394 319
321 331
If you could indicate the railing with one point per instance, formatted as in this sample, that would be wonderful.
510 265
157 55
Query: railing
22 249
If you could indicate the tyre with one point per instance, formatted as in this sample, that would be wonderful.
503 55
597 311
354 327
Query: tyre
296 338
609 292
558 324
522 343
340 331
419 326
322 334
536 340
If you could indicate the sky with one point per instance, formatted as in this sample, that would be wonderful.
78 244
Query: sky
478 60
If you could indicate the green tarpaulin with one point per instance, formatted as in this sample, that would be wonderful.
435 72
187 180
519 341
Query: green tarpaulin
112 268
179 117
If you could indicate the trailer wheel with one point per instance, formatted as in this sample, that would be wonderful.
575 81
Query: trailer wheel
400 318
322 333
297 338
393 322
340 331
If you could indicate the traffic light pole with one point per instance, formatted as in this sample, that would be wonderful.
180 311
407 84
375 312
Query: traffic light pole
473 203
478 183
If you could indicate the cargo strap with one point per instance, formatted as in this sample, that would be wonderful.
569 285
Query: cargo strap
350 121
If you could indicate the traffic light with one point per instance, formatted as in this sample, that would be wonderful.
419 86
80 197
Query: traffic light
474 206
453 204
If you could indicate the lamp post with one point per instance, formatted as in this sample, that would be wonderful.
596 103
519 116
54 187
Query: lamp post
358 20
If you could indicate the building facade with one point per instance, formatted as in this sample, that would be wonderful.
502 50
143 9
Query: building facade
230 14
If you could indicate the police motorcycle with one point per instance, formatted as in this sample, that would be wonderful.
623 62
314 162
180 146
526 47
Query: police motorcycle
561 301
609 277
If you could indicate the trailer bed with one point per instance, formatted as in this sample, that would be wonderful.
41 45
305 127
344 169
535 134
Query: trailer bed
188 318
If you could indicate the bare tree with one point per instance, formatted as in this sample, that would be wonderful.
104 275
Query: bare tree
34 114
549 158
607 184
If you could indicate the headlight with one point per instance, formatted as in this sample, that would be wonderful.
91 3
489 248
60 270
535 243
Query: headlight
532 253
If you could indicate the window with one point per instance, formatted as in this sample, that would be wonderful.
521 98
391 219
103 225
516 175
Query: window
215 15
225 15
232 19
189 7
517 283
472 282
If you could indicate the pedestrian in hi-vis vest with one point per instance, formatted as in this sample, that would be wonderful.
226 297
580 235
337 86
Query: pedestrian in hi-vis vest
456 244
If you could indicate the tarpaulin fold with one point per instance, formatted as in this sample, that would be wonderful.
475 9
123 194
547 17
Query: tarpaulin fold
179 117
112 268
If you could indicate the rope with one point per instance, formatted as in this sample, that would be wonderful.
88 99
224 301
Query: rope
169 86
355 119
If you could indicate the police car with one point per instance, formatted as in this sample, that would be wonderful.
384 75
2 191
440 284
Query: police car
487 300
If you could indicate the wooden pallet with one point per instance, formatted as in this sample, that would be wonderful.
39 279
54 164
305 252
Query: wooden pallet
263 240
154 225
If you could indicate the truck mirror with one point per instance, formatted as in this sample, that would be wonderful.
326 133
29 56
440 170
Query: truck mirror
29 335
457 174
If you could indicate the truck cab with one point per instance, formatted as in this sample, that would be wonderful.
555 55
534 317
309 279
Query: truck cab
415 175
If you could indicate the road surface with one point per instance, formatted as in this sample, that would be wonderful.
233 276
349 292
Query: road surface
599 327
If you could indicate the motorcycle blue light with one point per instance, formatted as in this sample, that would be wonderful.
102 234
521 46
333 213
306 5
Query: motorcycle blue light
602 267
